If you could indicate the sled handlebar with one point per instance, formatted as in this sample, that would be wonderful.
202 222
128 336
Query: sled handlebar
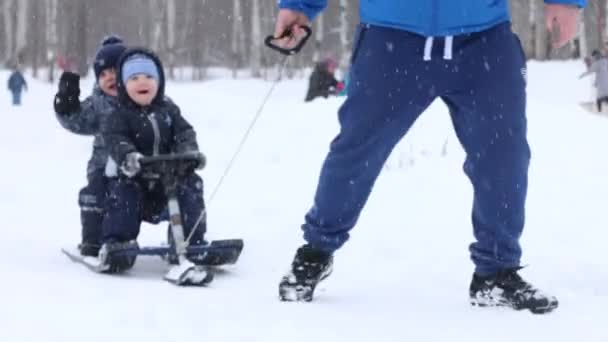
170 167
186 157
285 51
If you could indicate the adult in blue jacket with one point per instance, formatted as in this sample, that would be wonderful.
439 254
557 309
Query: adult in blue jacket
405 55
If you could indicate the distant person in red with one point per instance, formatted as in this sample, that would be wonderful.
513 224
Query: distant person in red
322 80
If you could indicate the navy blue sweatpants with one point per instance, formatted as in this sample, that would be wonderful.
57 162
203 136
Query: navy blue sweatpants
91 200
392 83
133 200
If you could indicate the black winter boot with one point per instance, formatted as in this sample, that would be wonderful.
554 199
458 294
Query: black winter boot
507 288
117 257
309 267
89 249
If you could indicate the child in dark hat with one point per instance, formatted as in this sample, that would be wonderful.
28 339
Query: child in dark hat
146 124
85 118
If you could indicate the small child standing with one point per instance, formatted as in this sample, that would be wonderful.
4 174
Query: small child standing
85 118
599 66
146 124
16 84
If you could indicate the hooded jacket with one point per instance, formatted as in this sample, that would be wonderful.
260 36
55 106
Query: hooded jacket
158 128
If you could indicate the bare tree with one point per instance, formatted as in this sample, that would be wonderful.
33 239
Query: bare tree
8 12
35 36
238 45
157 14
170 36
594 18
255 57
21 31
51 36
344 30
541 37
319 35
521 24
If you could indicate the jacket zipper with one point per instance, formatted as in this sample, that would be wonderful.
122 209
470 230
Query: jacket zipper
156 130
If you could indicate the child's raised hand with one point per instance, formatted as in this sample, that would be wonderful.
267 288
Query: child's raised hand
67 98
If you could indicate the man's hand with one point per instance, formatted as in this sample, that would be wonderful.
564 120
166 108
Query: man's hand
288 20
561 21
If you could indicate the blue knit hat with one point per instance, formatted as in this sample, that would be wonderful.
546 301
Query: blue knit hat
108 55
139 64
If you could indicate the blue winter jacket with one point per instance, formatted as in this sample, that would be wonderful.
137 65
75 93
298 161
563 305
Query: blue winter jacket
16 82
426 17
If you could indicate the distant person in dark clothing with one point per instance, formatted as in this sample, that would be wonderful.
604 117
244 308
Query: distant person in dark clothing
16 84
322 80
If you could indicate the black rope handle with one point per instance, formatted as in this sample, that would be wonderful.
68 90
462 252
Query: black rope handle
269 42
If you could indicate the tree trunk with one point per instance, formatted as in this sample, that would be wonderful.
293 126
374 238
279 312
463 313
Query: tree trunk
583 46
520 19
51 37
171 37
316 56
35 36
21 32
541 36
593 31
236 47
7 10
255 57
344 46
157 13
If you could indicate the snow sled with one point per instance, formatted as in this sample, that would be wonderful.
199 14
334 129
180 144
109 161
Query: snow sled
189 265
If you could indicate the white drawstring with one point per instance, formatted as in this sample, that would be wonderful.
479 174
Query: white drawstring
447 48
428 48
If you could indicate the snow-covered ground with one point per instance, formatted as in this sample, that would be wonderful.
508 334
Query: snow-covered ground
404 275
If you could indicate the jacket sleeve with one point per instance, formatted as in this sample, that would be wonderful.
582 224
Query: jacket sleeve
84 121
309 7
579 3
184 136
115 133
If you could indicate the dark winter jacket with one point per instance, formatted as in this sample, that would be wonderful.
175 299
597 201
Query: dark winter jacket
16 82
321 83
152 130
87 121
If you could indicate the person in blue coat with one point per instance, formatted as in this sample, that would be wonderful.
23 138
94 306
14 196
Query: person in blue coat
16 84
405 55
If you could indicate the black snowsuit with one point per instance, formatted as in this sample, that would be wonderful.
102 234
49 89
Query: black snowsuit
151 130
321 83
